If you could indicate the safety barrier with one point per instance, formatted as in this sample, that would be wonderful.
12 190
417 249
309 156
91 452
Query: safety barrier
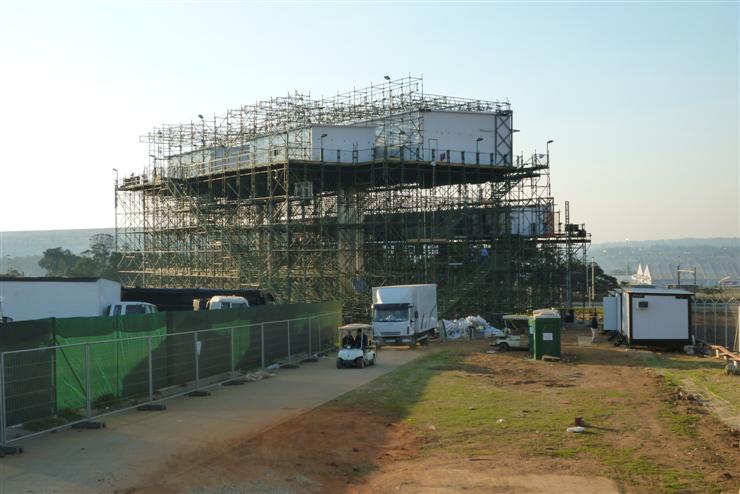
71 385
717 321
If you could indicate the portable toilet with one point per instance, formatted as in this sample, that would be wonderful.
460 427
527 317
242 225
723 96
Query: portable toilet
545 327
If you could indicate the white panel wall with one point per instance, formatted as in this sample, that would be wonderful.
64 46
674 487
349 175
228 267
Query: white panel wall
27 300
610 314
531 221
458 131
625 314
665 318
344 139
109 293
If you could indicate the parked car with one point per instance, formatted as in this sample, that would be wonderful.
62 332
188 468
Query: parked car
227 302
128 308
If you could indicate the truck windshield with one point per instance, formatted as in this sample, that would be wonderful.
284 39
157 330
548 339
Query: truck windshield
391 315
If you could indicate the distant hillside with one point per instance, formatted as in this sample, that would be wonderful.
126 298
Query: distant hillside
34 243
22 250
714 258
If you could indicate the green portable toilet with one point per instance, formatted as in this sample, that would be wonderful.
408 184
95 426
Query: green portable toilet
545 324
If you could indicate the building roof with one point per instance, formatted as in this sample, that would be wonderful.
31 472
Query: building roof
657 291
52 279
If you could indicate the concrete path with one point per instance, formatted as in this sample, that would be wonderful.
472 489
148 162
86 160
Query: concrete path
135 443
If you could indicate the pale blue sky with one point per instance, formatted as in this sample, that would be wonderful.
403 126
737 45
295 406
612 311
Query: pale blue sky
641 98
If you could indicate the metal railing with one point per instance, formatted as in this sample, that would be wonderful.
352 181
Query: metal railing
50 388
716 321
198 164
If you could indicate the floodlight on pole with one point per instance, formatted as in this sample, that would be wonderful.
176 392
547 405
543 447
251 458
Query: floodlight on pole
115 210
321 140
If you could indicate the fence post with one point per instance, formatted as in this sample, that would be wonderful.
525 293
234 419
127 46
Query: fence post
197 369
151 370
262 343
714 322
727 344
231 351
309 335
2 400
88 385
288 340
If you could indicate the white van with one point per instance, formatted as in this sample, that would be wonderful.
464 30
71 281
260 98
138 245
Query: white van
227 302
128 308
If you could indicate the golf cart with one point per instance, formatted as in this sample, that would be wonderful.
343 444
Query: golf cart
354 353
516 333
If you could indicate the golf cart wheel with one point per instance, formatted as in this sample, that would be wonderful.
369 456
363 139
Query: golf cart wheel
360 362
340 363
503 347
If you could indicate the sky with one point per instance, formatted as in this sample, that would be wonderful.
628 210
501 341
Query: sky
641 99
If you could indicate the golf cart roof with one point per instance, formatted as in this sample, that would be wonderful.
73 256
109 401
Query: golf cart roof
516 317
355 326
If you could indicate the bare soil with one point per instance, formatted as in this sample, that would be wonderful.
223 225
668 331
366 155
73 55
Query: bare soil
339 448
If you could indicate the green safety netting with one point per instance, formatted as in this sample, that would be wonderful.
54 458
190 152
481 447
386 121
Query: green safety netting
44 382
118 356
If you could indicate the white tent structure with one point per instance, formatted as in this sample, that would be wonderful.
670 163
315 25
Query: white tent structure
641 277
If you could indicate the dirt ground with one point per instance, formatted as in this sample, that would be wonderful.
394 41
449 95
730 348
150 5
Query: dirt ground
650 431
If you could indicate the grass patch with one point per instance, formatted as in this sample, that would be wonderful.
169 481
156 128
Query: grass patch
704 375
453 404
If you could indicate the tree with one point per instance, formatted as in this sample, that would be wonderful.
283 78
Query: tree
58 261
13 273
96 262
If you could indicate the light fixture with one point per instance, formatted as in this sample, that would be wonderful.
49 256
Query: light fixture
387 77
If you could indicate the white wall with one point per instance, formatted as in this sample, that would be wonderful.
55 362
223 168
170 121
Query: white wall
343 139
27 300
665 318
610 314
109 293
625 314
531 221
458 131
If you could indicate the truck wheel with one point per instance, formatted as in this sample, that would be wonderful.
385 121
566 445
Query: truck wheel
360 362
340 363
503 347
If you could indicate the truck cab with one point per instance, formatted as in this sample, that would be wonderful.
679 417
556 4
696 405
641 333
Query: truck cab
404 314
392 322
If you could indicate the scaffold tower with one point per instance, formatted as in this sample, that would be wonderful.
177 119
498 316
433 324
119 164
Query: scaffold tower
317 199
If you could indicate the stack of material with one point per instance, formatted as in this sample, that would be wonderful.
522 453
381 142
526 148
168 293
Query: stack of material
469 327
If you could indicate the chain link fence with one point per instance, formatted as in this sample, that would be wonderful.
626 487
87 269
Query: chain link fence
716 321
48 388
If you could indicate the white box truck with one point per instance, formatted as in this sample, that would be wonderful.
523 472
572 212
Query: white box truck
404 314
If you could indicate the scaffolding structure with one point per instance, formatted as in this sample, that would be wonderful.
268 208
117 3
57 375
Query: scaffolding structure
249 199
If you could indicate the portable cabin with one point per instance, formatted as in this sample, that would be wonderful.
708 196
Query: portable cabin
650 316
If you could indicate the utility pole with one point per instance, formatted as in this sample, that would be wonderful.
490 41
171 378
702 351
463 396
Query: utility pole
568 254
593 281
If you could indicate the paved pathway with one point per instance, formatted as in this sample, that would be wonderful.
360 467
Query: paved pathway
134 443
